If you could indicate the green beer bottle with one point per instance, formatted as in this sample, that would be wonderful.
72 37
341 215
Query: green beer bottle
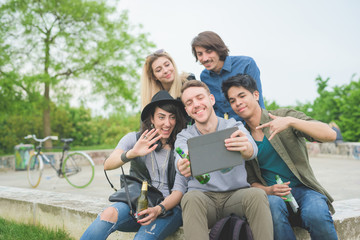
289 198
201 178
142 202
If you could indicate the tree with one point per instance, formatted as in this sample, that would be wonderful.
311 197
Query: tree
340 104
271 105
50 47
325 106
349 108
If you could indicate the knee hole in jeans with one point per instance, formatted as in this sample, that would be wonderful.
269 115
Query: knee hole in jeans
110 214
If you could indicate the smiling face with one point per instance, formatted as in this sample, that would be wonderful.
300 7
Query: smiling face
164 122
198 104
209 59
164 71
243 102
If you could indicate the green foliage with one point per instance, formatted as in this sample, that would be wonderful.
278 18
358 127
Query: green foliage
68 122
20 231
270 105
48 47
349 118
117 126
78 124
341 104
20 120
325 107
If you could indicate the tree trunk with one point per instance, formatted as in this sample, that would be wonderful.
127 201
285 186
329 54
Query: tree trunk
46 115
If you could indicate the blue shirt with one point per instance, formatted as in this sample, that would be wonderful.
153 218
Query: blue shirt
271 165
233 65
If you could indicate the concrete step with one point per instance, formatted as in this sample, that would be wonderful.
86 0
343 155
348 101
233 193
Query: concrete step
74 213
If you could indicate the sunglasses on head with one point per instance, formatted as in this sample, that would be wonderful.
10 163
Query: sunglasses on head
159 51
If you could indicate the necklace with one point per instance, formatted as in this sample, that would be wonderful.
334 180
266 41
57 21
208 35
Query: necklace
159 170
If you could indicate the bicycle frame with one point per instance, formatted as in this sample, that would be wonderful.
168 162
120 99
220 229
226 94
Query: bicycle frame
43 156
65 152
70 164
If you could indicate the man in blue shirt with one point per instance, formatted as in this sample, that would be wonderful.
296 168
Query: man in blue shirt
210 50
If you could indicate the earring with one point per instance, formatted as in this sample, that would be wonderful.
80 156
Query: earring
152 125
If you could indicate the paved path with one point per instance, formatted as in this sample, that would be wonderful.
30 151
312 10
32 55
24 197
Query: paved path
339 176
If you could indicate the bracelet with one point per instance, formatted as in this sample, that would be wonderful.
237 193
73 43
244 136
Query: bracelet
124 158
163 210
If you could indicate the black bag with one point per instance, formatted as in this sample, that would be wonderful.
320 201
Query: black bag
231 228
134 186
130 192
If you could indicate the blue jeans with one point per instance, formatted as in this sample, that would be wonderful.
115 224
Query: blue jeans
159 229
314 215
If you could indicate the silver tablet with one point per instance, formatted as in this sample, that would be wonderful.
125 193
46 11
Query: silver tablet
207 153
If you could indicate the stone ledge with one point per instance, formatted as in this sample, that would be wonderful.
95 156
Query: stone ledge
350 150
71 212
75 213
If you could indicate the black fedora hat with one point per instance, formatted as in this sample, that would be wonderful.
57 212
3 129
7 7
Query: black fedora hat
160 98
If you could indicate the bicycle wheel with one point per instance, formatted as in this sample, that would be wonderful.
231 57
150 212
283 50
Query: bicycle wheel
35 168
78 169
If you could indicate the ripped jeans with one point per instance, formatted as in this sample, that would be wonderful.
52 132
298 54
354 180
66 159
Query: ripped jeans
159 229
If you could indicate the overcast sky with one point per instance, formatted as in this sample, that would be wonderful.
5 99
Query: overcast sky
292 42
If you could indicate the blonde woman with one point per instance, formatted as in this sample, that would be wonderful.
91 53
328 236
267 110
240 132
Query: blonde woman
160 73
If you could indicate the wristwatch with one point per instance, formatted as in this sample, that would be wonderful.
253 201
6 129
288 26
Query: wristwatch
163 209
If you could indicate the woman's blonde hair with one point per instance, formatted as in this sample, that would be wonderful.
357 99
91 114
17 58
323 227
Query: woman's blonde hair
150 85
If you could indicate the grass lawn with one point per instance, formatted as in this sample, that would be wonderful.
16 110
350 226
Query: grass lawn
19 231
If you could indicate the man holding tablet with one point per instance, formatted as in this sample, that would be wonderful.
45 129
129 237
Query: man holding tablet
227 191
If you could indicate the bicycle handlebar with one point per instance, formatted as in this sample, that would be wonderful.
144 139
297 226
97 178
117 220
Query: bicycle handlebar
41 140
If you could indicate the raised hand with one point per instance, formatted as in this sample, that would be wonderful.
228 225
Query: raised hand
143 145
277 125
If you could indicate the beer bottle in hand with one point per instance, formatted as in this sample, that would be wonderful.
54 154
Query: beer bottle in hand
289 198
201 178
142 202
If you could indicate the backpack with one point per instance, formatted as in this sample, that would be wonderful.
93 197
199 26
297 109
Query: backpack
231 228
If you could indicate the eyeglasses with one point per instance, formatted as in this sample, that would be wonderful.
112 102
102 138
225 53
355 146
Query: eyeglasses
159 51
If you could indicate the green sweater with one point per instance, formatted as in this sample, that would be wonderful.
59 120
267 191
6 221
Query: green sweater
290 144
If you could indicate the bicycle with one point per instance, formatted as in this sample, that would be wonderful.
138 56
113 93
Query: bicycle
76 167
